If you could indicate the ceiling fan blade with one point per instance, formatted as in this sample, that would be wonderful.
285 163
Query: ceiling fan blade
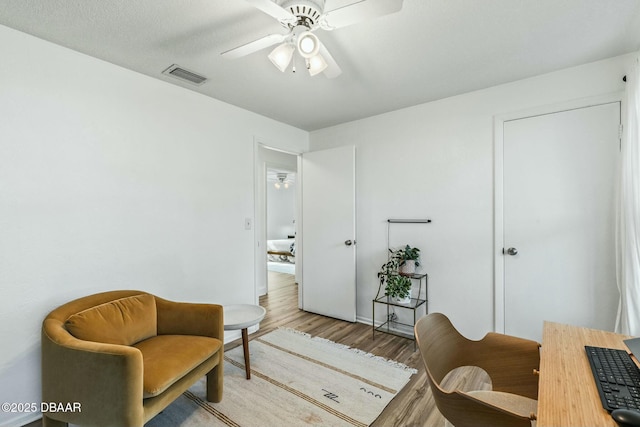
358 12
254 46
273 9
333 70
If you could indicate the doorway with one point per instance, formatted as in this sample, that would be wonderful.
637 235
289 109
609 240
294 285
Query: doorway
276 211
281 213
555 219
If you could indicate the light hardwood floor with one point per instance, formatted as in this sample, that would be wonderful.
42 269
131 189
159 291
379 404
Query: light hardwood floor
413 406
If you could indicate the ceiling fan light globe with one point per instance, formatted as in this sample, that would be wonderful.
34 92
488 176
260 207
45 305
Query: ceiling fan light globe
308 44
316 64
281 56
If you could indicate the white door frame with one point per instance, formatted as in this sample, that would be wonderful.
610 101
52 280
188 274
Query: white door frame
498 193
260 221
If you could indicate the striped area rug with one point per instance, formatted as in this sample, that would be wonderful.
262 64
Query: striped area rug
296 380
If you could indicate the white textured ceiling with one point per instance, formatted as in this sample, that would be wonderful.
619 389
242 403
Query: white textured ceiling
430 50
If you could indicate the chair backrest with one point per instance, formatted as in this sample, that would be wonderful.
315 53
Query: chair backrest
443 349
54 322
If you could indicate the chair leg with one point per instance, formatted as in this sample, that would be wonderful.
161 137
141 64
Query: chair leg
215 379
49 422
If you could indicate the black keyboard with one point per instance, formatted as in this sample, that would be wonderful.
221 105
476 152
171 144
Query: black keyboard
616 376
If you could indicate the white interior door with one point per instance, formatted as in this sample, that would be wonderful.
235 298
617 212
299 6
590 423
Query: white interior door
328 233
560 172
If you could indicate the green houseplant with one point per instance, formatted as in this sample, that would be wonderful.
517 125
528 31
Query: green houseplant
408 259
396 285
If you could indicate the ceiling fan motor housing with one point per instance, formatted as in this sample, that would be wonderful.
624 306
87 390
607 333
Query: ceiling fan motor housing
308 12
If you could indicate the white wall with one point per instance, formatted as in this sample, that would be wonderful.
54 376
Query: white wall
435 160
113 180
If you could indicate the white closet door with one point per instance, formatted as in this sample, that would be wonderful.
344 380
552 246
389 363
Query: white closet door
560 172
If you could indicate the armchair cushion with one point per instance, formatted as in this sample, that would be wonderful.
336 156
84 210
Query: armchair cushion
167 358
124 321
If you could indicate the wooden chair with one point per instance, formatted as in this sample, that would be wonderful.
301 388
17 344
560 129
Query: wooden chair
510 362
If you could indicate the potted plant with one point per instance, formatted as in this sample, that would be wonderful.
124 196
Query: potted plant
397 286
409 259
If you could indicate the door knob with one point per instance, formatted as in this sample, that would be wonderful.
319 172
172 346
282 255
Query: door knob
512 251
349 242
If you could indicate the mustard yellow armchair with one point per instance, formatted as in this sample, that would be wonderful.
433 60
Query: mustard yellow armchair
118 358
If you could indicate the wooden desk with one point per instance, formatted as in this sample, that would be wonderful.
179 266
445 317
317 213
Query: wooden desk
567 394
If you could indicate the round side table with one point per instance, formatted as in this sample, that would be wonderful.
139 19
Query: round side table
241 316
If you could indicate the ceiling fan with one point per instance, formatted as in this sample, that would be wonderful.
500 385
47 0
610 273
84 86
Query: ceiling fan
302 18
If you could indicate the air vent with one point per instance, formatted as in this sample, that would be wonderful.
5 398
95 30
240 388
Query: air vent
185 75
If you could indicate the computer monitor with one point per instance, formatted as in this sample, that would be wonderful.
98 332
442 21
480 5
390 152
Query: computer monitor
633 344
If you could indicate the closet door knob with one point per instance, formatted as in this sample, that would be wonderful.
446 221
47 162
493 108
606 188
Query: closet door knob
348 242
512 251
